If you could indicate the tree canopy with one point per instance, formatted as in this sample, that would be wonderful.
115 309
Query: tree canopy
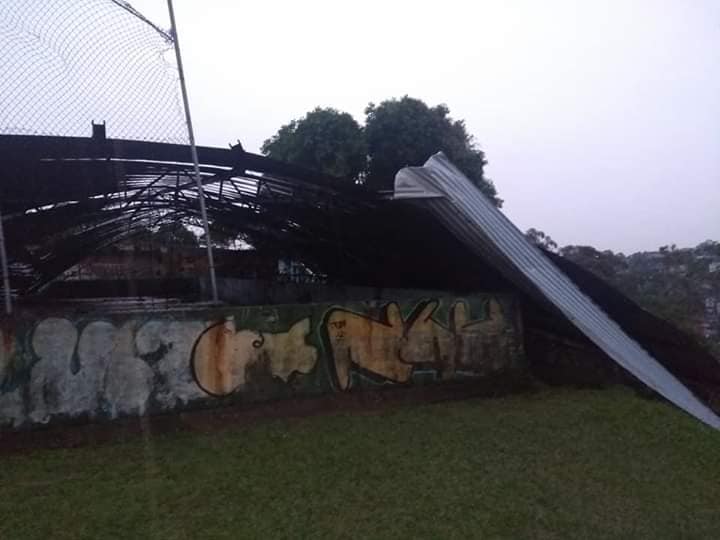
170 234
397 133
402 132
540 239
325 140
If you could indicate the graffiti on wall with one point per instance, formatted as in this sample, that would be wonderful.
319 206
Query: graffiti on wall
102 369
392 347
224 356
77 372
59 367
166 345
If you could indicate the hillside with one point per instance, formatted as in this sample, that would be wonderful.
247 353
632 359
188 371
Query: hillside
680 285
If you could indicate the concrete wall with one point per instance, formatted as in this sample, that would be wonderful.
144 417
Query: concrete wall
259 291
72 366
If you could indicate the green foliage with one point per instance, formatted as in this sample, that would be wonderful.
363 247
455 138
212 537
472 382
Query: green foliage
708 247
324 140
222 237
671 283
540 239
170 234
555 464
397 133
604 264
402 132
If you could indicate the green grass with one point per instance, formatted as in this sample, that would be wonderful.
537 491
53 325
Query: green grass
556 464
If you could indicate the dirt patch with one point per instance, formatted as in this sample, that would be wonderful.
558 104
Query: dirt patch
216 419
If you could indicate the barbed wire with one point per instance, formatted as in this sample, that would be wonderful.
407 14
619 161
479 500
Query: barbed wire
67 63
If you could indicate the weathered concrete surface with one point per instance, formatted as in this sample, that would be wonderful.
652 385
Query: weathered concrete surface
78 367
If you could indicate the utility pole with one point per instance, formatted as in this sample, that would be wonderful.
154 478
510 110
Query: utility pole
193 149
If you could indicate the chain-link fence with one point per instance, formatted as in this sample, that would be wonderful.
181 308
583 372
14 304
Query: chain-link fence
98 192
75 207
67 63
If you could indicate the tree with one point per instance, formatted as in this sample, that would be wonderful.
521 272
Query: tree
541 239
323 140
674 284
605 264
174 234
708 247
402 132
397 133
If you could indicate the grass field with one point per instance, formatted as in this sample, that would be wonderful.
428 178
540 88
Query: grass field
556 464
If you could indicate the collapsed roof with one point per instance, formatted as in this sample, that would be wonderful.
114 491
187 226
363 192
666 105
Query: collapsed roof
461 208
64 198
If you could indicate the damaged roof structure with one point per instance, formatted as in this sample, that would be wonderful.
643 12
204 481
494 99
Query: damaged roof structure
65 198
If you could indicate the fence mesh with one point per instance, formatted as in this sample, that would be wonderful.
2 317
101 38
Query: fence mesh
67 63
95 217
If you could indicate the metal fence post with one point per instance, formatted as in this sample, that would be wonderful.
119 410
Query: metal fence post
5 270
193 149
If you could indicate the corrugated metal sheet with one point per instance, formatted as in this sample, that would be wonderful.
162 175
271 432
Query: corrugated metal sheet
442 189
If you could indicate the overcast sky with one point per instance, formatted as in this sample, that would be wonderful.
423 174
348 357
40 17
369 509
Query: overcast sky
600 120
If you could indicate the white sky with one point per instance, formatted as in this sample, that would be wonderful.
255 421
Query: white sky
600 120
